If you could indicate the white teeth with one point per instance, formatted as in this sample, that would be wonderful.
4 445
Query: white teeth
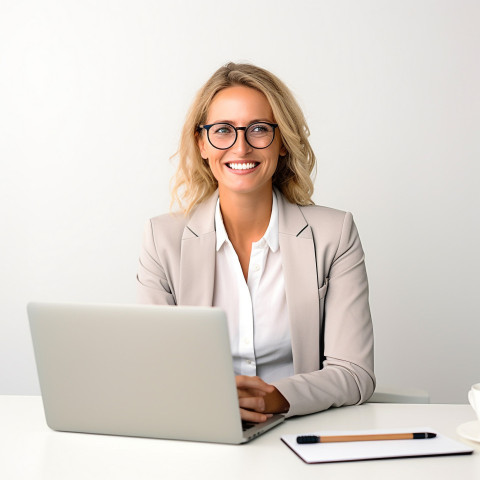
241 166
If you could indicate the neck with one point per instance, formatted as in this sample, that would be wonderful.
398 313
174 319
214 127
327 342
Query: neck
246 216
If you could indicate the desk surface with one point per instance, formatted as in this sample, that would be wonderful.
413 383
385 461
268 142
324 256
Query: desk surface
30 450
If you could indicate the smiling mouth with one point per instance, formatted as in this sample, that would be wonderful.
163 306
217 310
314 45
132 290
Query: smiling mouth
242 166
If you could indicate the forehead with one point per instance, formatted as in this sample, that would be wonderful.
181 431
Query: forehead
239 104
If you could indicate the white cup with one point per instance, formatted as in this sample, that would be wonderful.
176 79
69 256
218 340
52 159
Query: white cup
474 398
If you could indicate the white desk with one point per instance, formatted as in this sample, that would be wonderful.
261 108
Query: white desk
30 450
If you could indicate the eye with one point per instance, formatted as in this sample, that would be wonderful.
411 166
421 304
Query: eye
259 129
222 129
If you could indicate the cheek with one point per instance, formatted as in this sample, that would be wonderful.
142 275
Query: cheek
213 157
213 164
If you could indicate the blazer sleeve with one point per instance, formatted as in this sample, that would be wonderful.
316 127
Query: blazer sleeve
346 374
154 285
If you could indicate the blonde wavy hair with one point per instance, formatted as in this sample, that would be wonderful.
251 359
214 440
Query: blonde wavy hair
193 181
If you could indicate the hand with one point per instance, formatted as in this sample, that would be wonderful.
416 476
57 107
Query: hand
258 400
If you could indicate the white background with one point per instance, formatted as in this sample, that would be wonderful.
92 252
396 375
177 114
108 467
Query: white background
93 95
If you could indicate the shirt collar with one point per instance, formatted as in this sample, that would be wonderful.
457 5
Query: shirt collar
270 236
221 233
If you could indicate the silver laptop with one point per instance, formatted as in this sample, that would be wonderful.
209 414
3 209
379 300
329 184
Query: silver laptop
138 370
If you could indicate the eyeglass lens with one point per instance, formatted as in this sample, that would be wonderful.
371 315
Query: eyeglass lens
224 135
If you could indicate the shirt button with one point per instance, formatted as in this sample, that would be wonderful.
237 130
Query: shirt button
256 267
246 341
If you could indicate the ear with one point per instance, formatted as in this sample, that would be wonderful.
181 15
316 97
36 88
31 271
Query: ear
283 150
201 145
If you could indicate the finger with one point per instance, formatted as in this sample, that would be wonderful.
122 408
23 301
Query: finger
251 392
253 383
255 417
256 404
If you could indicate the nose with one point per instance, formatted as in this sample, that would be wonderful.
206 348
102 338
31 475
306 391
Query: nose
241 145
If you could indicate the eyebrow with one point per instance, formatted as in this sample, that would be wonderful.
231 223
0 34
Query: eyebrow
231 122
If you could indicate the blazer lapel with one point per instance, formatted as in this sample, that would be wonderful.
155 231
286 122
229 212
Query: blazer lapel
301 285
197 260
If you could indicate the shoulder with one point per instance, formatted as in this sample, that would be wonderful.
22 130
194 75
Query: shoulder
294 218
330 225
172 228
318 214
163 233
172 222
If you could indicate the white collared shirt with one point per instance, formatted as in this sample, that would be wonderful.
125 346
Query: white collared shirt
257 309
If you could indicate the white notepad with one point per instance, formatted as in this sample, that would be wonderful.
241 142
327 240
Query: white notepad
371 450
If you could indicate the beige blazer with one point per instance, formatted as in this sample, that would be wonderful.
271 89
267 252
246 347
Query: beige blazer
326 290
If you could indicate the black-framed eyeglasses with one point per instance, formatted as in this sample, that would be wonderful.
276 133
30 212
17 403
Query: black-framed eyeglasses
224 135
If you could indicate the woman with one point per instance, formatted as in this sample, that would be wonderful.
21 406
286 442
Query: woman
290 275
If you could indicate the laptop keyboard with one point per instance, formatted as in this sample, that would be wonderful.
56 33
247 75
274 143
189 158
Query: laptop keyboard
246 425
